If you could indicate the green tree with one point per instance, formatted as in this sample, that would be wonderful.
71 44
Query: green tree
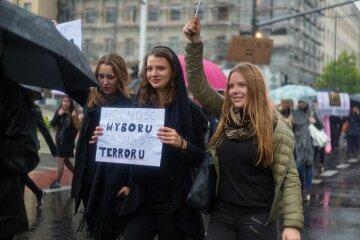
347 75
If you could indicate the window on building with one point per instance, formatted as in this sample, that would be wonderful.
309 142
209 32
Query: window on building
223 13
174 44
131 14
129 46
87 44
153 14
150 44
109 45
175 13
27 6
90 15
110 15
221 47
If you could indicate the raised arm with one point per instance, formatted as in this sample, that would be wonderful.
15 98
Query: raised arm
210 99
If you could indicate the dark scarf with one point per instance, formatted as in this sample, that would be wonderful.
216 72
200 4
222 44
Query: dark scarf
239 127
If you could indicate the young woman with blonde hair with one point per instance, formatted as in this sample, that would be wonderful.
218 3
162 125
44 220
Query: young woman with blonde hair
253 149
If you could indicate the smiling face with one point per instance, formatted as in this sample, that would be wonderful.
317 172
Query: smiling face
107 79
237 90
158 72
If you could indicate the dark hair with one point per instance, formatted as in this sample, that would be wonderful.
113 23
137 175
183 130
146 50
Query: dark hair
147 93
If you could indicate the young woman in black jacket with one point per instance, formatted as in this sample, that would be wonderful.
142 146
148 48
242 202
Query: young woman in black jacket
94 183
67 123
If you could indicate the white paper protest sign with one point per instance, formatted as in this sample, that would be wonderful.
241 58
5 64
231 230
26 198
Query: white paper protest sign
130 136
71 31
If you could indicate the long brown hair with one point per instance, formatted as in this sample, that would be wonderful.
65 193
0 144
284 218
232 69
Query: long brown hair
96 96
258 108
146 93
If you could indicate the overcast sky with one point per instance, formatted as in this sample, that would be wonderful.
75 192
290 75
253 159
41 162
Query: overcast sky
358 4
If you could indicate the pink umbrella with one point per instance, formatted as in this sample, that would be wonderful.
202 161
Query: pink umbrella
214 75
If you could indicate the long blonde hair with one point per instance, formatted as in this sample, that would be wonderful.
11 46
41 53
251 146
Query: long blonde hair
96 96
258 108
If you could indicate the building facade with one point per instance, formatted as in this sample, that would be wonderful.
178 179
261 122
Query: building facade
302 45
341 32
45 8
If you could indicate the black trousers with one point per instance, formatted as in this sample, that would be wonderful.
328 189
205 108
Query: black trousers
230 224
144 225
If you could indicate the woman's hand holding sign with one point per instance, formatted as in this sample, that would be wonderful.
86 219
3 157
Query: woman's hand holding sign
170 136
99 131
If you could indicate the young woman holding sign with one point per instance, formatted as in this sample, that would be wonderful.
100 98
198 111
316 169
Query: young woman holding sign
161 207
93 183
257 176
164 210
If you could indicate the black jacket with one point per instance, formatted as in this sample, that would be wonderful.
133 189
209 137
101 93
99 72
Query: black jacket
65 133
85 166
18 156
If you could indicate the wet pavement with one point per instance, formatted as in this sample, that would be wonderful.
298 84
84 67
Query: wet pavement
332 213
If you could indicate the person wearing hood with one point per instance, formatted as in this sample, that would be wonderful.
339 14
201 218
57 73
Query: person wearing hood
303 116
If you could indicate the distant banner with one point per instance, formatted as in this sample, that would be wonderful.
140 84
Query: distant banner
71 31
333 103
130 136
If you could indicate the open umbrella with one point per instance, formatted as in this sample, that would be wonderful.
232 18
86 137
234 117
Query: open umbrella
292 91
33 52
214 74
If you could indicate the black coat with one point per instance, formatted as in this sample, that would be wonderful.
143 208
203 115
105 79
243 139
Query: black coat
65 133
175 173
18 156
85 165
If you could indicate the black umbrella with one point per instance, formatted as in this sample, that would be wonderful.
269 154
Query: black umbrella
33 52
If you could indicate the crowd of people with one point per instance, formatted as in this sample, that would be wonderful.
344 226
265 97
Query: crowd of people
264 157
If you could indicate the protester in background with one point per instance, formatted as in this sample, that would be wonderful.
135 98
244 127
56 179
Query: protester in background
319 151
286 108
96 184
262 183
303 116
18 156
36 111
67 123
353 133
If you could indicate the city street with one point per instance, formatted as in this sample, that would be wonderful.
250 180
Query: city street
332 213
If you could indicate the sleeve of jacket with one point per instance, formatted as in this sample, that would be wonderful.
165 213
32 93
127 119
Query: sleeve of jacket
195 152
45 131
319 123
55 120
291 191
18 141
210 99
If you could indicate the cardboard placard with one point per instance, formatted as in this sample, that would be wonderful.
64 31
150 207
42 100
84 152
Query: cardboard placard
250 49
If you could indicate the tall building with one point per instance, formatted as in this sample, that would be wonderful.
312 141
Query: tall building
341 32
113 25
300 44
45 8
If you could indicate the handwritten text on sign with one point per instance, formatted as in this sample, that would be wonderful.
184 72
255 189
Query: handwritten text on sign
130 136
